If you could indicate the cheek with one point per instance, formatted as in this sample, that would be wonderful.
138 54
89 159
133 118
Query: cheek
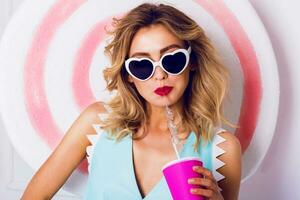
182 81
142 88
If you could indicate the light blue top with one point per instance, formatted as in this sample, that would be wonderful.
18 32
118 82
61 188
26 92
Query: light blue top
111 170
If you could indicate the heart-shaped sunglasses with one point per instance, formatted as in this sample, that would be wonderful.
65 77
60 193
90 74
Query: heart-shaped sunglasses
172 63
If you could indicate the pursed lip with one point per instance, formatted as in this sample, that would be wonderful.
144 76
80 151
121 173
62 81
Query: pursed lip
163 90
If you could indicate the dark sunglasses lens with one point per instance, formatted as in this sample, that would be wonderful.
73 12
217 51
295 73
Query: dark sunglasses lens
174 63
141 69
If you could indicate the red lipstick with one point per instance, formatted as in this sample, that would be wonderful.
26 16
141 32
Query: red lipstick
163 90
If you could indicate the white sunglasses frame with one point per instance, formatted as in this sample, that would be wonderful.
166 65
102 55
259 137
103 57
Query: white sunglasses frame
186 52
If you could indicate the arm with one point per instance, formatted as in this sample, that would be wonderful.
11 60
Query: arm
232 168
65 158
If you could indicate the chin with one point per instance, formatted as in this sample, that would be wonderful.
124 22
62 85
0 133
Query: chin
166 100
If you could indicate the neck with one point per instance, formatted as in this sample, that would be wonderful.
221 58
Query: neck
157 119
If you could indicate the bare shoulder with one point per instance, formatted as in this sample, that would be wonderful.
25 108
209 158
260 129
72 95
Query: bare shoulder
233 152
81 127
232 168
87 118
231 144
90 113
75 137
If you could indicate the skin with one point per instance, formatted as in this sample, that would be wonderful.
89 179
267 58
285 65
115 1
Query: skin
151 42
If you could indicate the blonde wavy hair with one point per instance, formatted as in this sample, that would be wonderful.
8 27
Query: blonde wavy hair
204 95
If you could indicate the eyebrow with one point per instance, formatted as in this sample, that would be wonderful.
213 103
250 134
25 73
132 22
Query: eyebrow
161 51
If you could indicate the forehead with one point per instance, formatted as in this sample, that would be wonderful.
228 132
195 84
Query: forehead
153 39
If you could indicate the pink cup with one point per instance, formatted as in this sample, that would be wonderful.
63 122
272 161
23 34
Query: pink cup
177 173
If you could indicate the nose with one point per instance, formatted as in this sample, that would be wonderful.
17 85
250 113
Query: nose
159 73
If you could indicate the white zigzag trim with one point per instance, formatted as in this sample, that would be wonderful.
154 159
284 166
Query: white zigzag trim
93 138
217 151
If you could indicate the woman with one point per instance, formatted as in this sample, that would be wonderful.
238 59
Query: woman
159 58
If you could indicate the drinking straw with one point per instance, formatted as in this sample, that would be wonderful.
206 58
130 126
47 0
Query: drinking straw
173 129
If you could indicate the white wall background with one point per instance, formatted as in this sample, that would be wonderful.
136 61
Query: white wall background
278 176
14 172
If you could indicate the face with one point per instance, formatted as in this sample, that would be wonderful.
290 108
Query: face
161 88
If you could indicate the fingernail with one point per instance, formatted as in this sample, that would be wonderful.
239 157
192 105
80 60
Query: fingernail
190 180
195 168
193 190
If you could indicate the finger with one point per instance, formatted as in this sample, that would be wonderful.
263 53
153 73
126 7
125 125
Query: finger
204 192
205 172
203 182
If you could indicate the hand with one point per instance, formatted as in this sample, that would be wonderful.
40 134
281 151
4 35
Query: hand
209 186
